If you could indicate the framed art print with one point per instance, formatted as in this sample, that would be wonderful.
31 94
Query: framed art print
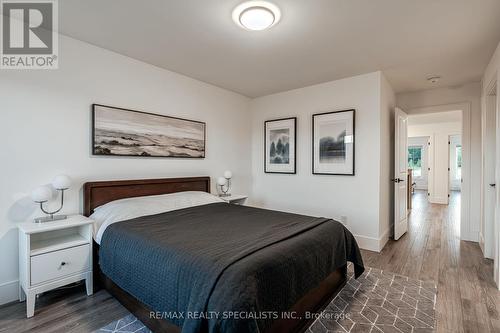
333 143
280 145
123 132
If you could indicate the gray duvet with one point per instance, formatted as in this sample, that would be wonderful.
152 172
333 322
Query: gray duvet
223 267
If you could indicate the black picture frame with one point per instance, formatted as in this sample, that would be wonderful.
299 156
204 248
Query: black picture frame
294 164
352 173
96 152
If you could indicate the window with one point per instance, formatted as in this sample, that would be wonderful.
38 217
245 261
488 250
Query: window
458 162
415 160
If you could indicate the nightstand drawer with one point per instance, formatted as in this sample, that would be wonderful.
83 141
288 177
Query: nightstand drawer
57 264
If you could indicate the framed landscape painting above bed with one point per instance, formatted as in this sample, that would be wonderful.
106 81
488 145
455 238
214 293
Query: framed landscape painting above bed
123 132
333 143
280 145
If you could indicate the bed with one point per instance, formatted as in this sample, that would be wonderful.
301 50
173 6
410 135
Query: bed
217 267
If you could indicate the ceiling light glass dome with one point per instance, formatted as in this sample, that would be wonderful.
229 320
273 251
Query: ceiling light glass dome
256 15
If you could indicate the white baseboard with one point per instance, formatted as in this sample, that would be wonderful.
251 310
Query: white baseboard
439 200
384 239
372 243
481 243
487 253
9 292
473 236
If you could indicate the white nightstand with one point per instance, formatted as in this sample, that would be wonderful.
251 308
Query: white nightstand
54 254
236 199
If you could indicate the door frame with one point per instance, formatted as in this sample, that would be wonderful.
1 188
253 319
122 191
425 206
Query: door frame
466 231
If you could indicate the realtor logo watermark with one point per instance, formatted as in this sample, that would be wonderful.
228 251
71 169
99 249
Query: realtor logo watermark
29 34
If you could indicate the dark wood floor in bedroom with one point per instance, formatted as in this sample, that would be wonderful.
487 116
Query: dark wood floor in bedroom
467 298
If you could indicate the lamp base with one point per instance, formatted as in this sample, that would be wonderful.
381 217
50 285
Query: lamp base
222 195
50 218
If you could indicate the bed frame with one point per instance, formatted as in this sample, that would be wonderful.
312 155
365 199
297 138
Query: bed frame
102 192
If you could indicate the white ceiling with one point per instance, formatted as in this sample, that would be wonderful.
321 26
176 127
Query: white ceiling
435 118
316 40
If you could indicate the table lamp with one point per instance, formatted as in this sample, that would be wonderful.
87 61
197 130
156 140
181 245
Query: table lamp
42 194
225 183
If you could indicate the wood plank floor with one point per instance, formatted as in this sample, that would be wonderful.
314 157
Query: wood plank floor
468 300
67 310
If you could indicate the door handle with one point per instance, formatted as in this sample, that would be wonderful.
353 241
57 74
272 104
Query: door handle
493 185
397 180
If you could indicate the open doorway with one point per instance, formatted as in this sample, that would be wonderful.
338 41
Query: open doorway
418 160
464 223
435 161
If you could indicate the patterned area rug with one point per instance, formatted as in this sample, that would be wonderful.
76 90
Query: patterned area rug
376 302
380 302
127 324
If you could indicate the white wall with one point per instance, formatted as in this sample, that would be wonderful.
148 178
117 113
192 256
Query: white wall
438 177
387 127
492 72
469 94
428 129
358 197
46 123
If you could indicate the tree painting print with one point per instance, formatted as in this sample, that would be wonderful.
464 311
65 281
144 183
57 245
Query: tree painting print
332 147
279 146
333 143
123 132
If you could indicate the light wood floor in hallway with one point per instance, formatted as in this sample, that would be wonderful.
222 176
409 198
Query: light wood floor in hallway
467 300
431 250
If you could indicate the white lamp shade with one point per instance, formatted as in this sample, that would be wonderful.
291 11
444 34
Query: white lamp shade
221 181
61 182
41 194
228 174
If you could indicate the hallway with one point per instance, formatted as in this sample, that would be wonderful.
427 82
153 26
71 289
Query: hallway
467 299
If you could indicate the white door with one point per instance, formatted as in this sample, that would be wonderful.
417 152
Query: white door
455 163
400 174
487 228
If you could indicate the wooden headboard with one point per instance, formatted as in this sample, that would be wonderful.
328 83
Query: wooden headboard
99 193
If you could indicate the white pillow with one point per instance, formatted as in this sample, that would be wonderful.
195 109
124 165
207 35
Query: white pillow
126 209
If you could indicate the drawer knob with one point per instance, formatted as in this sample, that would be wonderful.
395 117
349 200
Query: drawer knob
63 263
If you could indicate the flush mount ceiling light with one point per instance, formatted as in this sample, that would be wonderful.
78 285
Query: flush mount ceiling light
256 15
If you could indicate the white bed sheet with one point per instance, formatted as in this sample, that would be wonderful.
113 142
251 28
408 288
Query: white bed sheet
126 209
